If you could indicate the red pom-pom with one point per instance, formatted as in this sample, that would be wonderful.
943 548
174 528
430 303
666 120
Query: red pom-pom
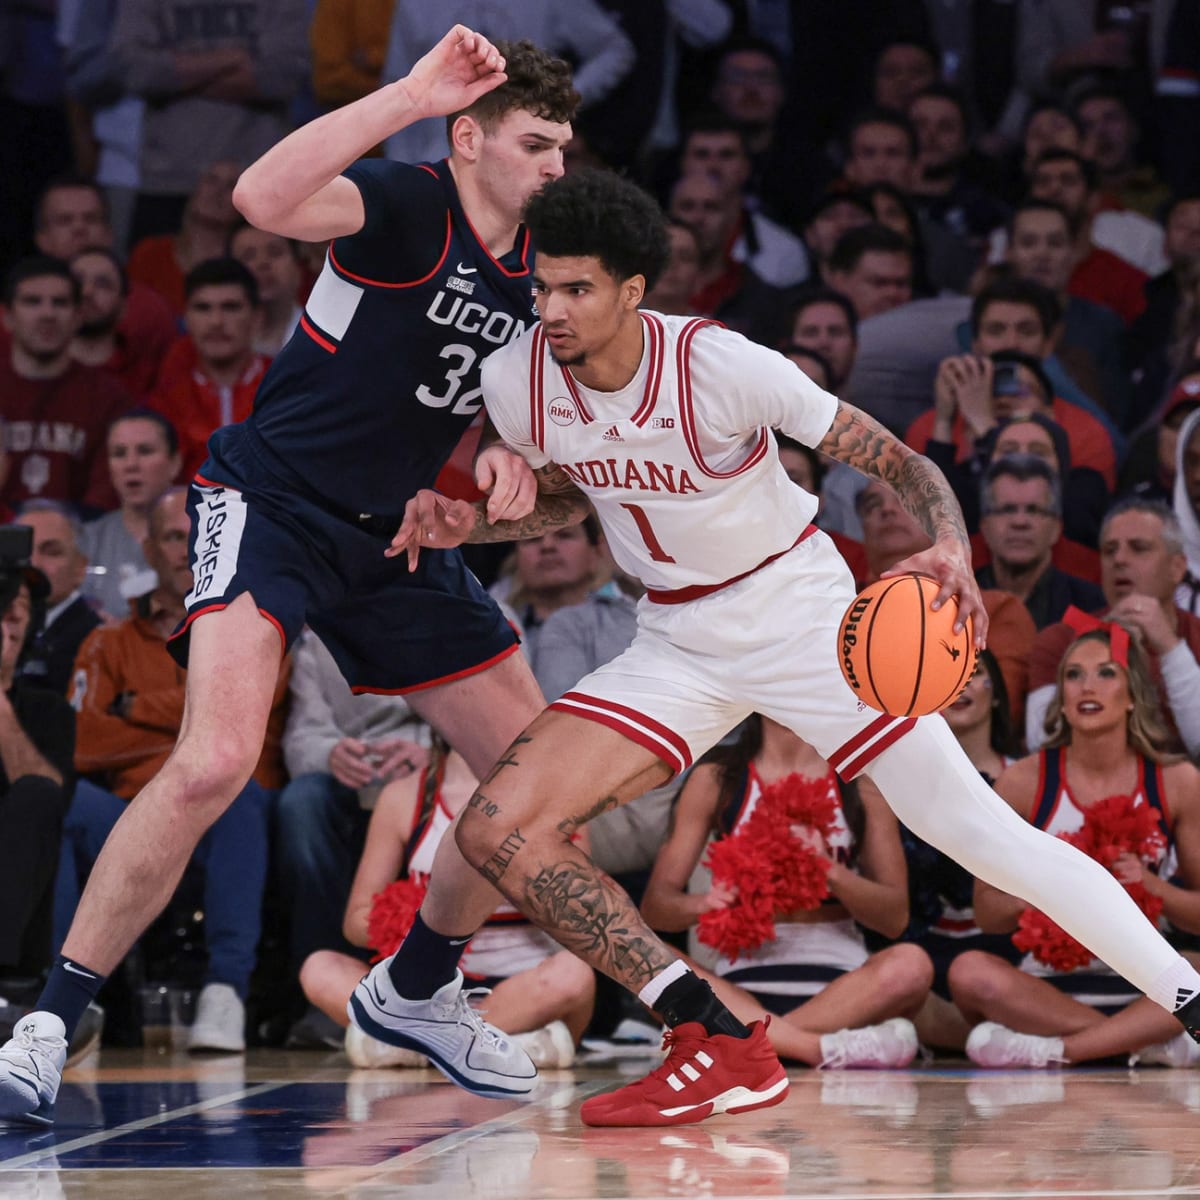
770 870
1111 827
392 913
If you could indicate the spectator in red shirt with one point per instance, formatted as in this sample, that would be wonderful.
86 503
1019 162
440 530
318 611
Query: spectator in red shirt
72 215
1069 180
56 411
99 341
211 375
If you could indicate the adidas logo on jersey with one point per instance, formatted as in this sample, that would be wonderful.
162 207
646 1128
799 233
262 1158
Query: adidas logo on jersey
611 434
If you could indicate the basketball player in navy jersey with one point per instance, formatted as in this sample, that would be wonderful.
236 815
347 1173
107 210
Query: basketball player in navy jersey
428 270
663 425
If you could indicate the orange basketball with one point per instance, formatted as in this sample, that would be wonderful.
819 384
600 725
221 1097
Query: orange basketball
899 655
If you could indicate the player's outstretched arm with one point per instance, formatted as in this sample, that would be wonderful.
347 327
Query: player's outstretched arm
435 522
296 188
858 440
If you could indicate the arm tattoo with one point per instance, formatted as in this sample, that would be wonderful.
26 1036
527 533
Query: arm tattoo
862 443
559 503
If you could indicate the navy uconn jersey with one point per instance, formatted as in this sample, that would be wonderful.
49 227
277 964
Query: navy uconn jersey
370 396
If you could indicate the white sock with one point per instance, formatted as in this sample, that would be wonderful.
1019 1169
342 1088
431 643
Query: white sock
1178 984
650 993
931 785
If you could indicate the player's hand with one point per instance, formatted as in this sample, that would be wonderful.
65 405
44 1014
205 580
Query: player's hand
348 763
949 563
505 478
463 66
432 522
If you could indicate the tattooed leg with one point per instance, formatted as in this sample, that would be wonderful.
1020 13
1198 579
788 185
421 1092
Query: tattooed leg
517 831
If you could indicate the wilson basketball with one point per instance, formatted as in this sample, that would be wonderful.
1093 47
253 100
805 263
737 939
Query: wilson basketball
899 655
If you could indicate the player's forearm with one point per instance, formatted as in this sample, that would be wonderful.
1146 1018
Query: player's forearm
312 156
858 440
928 497
553 510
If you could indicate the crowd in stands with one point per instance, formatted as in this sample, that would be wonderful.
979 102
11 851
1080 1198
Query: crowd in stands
977 221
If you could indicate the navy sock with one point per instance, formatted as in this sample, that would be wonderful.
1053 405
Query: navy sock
690 998
68 991
425 961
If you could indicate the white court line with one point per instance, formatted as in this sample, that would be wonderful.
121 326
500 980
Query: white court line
104 1135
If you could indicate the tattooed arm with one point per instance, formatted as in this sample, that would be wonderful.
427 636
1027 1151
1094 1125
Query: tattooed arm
435 522
857 439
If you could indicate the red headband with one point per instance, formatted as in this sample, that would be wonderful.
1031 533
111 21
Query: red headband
1118 635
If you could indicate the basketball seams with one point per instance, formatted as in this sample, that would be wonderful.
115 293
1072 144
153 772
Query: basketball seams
919 580
867 642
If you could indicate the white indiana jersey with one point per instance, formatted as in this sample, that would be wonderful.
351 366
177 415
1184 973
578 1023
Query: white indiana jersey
680 464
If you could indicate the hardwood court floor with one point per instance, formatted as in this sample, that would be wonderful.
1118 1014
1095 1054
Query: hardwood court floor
280 1124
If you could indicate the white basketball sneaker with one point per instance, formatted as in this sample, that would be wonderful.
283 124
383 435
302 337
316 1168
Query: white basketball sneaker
445 1028
890 1044
552 1045
31 1066
994 1045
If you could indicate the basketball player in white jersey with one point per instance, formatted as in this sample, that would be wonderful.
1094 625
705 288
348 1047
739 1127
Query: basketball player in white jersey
663 424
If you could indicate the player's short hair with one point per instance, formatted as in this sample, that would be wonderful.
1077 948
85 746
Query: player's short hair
213 272
37 266
595 213
1008 289
537 83
863 239
142 413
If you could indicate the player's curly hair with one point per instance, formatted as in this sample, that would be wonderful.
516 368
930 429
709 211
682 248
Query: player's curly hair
595 213
537 83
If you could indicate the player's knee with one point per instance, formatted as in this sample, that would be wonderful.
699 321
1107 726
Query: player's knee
211 775
476 837
975 977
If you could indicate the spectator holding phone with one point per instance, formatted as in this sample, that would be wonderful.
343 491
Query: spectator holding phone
978 398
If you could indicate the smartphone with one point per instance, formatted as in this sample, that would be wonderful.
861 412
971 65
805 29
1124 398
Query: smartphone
1006 381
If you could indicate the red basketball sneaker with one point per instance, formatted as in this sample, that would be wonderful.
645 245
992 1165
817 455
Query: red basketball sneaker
702 1075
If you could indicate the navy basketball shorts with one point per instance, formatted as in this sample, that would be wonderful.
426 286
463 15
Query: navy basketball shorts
389 630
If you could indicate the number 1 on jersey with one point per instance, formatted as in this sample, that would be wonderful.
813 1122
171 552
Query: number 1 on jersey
657 553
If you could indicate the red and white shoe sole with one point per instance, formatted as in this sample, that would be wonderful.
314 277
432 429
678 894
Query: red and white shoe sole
735 1100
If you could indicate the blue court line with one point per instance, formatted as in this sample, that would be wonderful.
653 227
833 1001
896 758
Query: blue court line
33 1157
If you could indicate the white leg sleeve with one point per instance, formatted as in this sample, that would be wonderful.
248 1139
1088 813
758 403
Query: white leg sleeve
933 788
